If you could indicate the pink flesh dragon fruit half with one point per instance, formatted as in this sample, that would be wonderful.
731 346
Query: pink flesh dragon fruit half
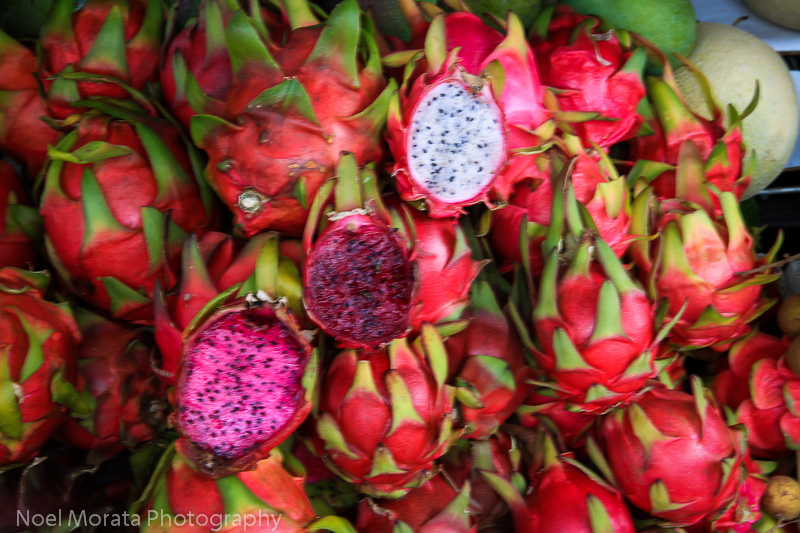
244 386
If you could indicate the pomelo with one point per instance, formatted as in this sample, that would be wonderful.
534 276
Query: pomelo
668 24
781 12
733 60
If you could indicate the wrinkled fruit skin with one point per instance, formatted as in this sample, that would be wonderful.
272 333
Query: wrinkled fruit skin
39 374
16 247
360 282
118 206
241 388
383 420
673 456
268 491
114 367
101 37
591 72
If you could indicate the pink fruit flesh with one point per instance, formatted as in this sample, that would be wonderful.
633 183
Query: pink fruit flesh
360 284
241 383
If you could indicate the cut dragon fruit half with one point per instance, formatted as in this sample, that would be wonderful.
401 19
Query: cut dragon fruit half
456 140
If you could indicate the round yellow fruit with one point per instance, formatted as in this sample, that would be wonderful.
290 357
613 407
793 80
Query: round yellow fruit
781 498
733 60
784 13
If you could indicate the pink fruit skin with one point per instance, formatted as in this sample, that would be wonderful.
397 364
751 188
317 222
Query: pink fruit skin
128 183
23 306
16 248
684 455
586 69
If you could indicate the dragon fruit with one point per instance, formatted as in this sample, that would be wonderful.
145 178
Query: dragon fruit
705 268
38 371
386 416
672 455
718 141
596 185
564 496
123 179
268 498
474 79
98 37
129 402
20 225
216 263
590 70
435 506
278 134
246 380
22 134
487 365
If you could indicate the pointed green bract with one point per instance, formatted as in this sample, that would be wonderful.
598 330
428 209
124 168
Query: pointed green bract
338 42
98 219
288 97
108 50
245 45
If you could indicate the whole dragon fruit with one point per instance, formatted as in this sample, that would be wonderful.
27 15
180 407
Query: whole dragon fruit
246 380
277 135
706 268
98 37
124 180
20 224
590 70
216 263
459 119
487 365
435 506
129 401
386 416
564 496
268 498
37 366
672 455
22 134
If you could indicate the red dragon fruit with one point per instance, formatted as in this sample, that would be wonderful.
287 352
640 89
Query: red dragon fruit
487 365
98 37
672 455
475 79
268 498
718 141
129 402
22 134
37 370
279 134
590 70
20 225
705 268
124 180
435 506
596 185
565 496
246 380
386 416
213 264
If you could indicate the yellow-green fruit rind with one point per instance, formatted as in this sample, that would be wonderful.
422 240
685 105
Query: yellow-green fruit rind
668 24
733 60
784 13
526 10
789 315
781 498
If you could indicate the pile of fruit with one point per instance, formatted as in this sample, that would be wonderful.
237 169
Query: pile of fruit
267 267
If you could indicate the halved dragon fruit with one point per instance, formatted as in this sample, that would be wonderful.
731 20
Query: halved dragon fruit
244 386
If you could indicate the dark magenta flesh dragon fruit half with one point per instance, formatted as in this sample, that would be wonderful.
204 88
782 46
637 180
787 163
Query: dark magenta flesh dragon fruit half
360 282
241 390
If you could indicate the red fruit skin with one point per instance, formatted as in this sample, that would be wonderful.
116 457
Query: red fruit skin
16 248
55 328
685 457
114 365
585 67
128 183
207 462
22 134
419 510
557 501
63 47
